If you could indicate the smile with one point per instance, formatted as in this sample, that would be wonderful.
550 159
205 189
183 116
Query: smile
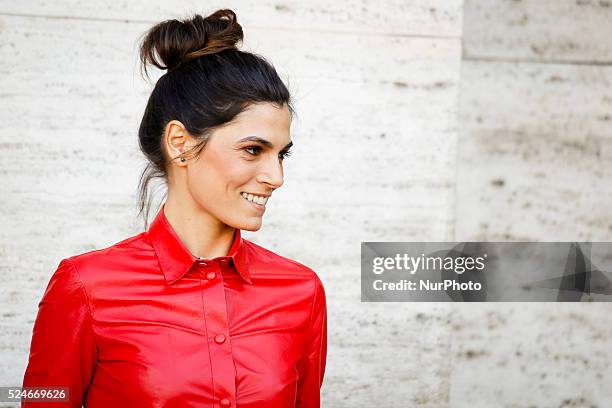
260 201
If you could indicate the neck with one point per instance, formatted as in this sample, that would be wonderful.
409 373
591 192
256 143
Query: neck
203 234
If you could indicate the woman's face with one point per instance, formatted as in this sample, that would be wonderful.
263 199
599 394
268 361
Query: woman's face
241 165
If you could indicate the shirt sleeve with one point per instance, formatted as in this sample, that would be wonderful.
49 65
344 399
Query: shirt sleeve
311 367
63 351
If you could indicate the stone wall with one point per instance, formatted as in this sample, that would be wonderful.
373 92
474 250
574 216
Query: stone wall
384 92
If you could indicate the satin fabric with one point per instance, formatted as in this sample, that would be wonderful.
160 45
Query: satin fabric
144 323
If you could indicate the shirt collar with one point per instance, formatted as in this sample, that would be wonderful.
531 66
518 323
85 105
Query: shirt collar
176 260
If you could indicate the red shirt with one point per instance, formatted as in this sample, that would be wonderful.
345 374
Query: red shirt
144 323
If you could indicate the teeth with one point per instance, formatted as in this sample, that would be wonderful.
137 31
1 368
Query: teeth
255 199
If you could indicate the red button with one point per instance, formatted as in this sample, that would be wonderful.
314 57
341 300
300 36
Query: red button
225 402
219 338
211 275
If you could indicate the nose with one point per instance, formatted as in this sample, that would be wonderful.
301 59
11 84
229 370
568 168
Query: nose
271 173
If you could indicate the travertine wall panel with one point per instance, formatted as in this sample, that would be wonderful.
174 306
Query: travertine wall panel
375 141
531 354
395 17
535 152
571 31
534 156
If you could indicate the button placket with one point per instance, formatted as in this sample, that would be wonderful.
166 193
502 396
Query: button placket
206 272
217 326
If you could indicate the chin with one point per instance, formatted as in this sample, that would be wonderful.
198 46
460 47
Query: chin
249 225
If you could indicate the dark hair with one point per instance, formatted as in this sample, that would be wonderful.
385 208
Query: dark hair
208 82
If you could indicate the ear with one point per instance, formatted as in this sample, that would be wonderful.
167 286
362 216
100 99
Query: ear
177 141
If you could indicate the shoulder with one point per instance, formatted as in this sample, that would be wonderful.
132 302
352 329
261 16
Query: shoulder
265 261
258 255
111 256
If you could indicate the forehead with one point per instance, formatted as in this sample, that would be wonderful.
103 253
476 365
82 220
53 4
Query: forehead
264 120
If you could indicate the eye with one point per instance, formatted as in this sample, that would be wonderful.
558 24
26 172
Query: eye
257 150
284 154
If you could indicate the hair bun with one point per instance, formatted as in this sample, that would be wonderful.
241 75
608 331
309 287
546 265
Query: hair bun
173 42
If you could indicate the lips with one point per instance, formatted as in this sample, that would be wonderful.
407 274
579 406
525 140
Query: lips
255 199
260 208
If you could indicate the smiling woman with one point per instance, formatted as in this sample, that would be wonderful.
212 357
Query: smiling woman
189 313
231 166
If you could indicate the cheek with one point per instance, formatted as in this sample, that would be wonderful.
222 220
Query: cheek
211 181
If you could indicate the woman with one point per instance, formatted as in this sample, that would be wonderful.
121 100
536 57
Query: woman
189 313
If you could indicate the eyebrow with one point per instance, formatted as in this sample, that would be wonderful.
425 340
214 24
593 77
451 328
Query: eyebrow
264 142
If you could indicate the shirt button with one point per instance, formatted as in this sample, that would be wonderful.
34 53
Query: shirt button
219 338
210 275
225 402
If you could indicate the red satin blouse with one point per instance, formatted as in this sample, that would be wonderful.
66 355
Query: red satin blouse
144 323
